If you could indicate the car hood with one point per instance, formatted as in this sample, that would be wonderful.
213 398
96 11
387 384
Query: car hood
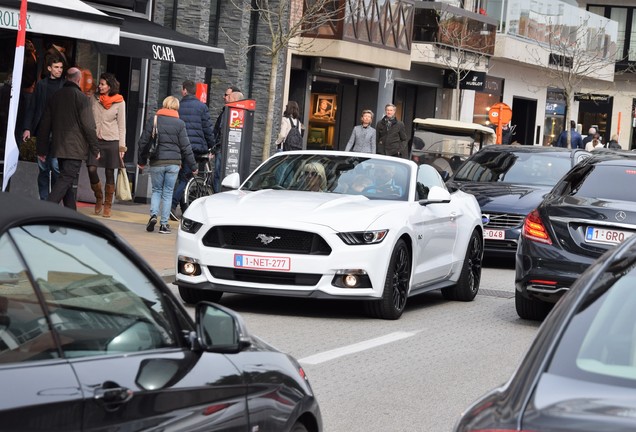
275 208
503 197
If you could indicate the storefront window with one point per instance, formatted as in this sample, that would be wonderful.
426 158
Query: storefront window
322 121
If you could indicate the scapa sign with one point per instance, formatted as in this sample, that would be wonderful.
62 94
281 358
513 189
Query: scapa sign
163 53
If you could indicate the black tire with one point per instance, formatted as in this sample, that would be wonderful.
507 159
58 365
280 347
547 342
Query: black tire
396 285
530 308
468 283
196 188
298 427
194 296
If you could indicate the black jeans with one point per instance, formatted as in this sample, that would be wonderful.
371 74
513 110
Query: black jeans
66 184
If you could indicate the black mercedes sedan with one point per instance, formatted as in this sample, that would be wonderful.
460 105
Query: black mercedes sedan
579 374
92 339
591 210
509 181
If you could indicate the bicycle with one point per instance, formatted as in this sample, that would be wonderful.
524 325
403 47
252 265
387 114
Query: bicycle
201 184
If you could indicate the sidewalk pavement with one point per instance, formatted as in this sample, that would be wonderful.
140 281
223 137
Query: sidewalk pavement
129 220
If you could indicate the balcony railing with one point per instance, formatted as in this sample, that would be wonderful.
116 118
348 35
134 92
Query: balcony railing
386 24
556 23
446 25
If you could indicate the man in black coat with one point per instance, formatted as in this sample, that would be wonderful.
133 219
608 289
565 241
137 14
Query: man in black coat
69 119
44 90
391 138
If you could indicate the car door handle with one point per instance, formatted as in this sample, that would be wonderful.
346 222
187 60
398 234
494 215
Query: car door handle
453 216
111 394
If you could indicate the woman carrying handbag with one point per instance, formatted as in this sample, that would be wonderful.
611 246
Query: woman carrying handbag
172 146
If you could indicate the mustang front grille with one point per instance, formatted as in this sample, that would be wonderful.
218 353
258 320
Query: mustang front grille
504 220
266 277
263 239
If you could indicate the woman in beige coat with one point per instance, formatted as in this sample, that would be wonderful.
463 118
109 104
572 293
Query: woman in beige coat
109 110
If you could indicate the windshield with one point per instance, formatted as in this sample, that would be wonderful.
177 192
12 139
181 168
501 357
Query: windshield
527 168
601 181
372 178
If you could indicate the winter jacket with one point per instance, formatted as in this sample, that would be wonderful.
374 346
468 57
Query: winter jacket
44 89
198 123
285 127
576 139
111 122
69 117
362 140
173 145
391 138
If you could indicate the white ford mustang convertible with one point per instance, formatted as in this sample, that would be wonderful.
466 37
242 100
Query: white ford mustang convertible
332 224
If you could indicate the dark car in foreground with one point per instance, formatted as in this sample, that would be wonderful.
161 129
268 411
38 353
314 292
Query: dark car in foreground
579 374
509 181
91 338
591 210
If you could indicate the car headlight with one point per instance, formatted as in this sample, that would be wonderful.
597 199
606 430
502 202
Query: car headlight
363 237
190 226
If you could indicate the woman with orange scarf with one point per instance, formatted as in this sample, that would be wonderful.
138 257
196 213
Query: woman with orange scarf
109 110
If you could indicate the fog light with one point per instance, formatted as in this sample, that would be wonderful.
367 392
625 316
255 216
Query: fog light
350 281
351 278
189 268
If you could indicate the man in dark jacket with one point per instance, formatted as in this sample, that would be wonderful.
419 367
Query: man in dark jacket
199 126
391 138
44 89
69 119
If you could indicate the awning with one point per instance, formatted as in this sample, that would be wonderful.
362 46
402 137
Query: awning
141 38
68 18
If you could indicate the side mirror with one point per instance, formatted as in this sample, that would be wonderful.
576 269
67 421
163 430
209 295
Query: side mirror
219 329
436 195
233 181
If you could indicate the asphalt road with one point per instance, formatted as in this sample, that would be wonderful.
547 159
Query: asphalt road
414 374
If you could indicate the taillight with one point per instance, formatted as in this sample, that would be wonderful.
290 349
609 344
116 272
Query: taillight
533 228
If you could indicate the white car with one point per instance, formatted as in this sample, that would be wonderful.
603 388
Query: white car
327 224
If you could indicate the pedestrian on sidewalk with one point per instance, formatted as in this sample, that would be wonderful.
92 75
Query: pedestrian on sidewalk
109 110
199 127
173 146
363 135
44 90
391 137
69 120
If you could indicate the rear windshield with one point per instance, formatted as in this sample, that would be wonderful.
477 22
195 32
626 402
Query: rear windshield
609 182
541 169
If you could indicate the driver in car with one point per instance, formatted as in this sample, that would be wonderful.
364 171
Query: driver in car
384 181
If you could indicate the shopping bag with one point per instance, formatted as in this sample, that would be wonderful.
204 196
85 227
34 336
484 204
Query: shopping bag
122 191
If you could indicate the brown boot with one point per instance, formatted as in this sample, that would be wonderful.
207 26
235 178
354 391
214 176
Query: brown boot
108 199
99 197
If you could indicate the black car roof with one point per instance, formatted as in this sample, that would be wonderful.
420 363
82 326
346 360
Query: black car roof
601 155
19 210
528 149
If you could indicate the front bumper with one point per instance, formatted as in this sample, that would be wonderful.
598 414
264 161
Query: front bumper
310 276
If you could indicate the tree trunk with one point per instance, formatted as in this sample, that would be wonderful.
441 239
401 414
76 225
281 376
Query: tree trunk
271 99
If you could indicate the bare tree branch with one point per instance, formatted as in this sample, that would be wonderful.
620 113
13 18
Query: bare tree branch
286 22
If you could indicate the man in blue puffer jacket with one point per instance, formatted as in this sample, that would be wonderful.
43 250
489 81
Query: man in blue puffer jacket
199 126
